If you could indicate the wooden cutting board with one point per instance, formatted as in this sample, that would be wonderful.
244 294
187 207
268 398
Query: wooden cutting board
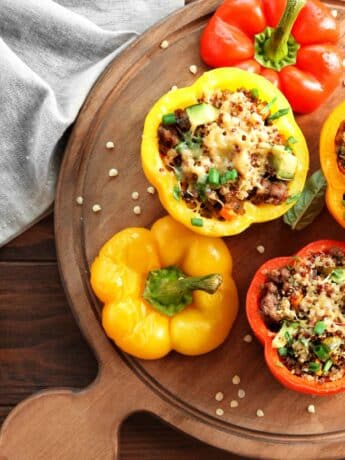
66 425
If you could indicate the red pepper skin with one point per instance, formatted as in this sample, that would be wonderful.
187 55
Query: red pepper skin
265 336
228 40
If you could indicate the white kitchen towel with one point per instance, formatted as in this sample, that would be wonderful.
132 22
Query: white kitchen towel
51 53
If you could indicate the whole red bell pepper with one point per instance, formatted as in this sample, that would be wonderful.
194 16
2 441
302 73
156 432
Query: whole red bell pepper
266 336
293 43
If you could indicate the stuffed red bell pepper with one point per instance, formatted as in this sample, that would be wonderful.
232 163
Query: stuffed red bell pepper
296 308
293 43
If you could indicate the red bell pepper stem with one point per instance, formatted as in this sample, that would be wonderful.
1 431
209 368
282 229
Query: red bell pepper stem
276 47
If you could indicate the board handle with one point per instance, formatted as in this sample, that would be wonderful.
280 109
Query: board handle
68 425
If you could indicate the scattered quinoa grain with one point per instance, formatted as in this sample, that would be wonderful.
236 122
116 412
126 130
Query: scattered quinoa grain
151 190
174 88
260 413
248 338
334 13
193 69
219 412
137 210
96 208
260 248
241 393
233 404
164 45
135 196
113 172
219 396
236 380
79 200
311 409
110 145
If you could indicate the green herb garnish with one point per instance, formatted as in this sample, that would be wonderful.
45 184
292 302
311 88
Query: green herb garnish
322 352
283 351
280 113
213 176
255 92
269 105
327 366
197 222
314 367
176 192
319 328
169 119
310 203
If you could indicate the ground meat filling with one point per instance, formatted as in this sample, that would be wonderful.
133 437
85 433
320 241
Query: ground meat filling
225 162
304 303
340 146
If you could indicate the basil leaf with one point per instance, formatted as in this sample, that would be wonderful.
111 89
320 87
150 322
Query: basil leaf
310 204
279 114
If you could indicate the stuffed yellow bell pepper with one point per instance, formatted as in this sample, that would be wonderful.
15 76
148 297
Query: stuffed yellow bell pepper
225 152
165 289
332 156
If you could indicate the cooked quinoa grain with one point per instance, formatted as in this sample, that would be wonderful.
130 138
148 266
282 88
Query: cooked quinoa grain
137 210
164 45
260 413
151 190
219 396
234 404
260 249
110 145
193 69
236 380
135 195
96 208
80 200
311 409
248 338
113 172
220 412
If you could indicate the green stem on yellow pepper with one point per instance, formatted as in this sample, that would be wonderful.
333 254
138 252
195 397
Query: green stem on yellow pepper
169 290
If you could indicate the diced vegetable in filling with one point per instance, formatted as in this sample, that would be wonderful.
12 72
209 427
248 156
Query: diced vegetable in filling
225 151
340 146
305 304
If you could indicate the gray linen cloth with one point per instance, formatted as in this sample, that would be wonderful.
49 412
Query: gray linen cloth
51 53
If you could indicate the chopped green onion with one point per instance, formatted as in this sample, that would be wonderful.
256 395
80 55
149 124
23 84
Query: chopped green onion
213 176
282 351
278 114
181 147
169 119
269 105
327 366
255 92
319 328
197 222
314 367
176 192
292 140
229 176
322 352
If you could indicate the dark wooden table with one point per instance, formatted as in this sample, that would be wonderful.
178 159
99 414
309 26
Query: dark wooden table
41 347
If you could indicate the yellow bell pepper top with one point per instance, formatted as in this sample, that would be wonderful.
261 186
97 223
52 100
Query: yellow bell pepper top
165 181
118 277
328 157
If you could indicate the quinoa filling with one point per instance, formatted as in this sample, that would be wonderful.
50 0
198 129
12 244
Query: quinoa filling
340 147
304 303
225 151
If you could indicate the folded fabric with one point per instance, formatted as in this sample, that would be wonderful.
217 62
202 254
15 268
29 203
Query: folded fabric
50 55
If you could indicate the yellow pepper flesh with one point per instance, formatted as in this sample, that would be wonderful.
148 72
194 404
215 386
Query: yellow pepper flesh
118 278
328 157
165 180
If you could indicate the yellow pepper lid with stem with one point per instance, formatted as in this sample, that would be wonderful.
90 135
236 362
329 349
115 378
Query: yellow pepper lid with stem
165 289
165 180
